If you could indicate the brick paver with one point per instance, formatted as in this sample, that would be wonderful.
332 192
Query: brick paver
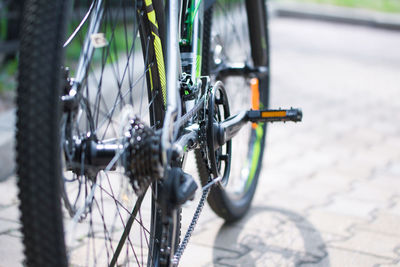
329 193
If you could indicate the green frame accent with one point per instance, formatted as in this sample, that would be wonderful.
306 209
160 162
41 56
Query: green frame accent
188 40
256 154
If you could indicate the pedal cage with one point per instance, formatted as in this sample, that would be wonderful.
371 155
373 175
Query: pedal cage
275 115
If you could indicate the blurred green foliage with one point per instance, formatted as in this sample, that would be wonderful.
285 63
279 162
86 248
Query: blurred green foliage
8 72
392 6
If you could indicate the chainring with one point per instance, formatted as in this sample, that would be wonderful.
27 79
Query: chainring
219 155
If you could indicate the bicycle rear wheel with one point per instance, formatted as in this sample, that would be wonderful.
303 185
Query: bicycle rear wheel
74 214
237 32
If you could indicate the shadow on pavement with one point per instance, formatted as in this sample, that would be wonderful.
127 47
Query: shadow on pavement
272 236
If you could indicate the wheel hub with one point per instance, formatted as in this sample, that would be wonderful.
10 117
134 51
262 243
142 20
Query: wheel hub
140 151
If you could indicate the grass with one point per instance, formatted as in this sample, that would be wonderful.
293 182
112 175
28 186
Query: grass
8 75
391 6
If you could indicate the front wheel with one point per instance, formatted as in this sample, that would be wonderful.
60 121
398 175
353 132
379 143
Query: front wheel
237 32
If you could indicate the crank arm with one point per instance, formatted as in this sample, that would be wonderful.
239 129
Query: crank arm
227 129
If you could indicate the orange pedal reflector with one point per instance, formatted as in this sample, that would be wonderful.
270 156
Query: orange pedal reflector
271 115
255 94
255 97
268 114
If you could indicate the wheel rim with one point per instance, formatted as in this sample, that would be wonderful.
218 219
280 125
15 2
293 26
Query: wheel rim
230 43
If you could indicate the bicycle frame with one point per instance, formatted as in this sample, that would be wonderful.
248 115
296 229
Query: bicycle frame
174 56
184 20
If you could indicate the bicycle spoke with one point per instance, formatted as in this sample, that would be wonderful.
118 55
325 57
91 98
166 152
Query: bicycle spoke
126 231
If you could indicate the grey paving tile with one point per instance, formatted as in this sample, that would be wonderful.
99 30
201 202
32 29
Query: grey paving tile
282 200
372 243
332 222
351 207
388 183
344 257
10 213
276 179
395 209
366 192
353 169
314 192
333 178
204 256
312 159
10 251
9 227
385 223
8 192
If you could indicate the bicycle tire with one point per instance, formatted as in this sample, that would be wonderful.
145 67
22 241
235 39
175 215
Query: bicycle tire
39 133
227 202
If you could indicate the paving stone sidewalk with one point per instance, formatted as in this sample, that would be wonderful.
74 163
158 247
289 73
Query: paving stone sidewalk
329 192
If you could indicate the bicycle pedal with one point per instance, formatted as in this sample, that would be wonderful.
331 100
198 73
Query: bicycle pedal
273 115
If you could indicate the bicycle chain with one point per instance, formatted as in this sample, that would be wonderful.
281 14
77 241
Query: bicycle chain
200 109
185 241
185 118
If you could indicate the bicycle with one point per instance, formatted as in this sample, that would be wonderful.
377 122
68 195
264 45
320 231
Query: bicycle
103 136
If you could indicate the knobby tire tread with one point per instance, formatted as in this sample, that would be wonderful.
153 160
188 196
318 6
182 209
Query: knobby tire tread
39 108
